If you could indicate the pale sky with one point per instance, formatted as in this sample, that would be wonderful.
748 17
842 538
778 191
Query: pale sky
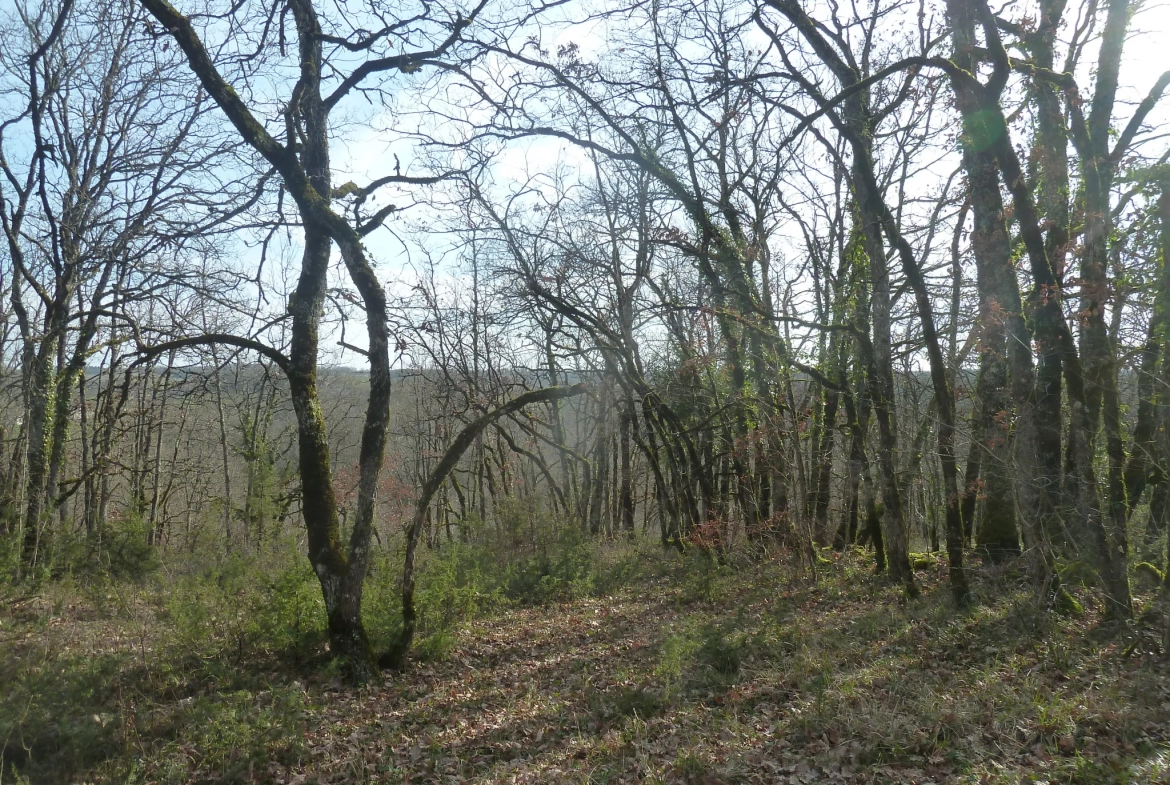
1147 55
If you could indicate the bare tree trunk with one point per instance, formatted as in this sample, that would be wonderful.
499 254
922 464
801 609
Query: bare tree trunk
626 493
39 404
223 447
152 528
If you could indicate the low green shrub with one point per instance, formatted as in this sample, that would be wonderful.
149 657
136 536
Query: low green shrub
231 736
58 712
720 651
675 654
126 554
435 647
244 607
702 576
642 701
460 580
564 567
119 552
9 556
452 586
701 656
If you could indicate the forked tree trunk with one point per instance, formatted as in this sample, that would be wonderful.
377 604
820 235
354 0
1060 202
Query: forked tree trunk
999 311
306 176
985 113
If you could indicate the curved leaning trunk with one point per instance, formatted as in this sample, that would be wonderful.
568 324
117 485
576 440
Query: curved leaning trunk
373 444
396 656
895 545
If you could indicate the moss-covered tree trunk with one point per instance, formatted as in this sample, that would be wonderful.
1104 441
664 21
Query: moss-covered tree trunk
998 534
1000 315
305 170
1102 404
1149 463
983 113
1160 506
39 394
1051 162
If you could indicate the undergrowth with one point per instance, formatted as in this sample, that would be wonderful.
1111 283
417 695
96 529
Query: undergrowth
459 581
564 660
202 660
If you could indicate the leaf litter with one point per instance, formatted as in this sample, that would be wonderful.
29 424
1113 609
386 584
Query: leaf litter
774 680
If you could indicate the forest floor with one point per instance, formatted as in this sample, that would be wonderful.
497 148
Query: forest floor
691 676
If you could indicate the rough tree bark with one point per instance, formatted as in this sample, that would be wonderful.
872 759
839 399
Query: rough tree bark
306 172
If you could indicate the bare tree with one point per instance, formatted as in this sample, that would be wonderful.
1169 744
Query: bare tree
325 48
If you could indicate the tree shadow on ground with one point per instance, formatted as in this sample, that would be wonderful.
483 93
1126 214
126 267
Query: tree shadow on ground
770 680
